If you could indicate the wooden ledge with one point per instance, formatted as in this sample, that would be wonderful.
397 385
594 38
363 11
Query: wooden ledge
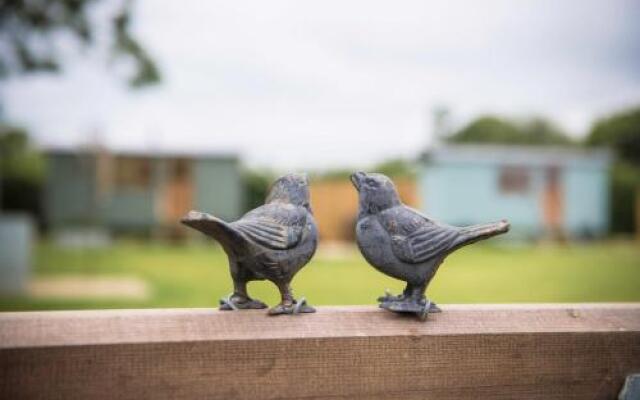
70 328
561 351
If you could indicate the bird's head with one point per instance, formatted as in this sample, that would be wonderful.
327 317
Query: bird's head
292 189
376 191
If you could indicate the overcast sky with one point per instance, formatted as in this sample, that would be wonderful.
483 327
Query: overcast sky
295 84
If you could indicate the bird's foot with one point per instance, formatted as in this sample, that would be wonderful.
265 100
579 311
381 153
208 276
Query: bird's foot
239 302
420 307
389 297
295 307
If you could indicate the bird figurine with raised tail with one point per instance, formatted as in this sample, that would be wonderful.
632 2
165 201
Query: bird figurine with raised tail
273 242
404 244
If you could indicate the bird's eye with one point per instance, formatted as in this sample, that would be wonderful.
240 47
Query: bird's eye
371 182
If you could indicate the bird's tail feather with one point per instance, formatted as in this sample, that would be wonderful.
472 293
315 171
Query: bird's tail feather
213 227
474 233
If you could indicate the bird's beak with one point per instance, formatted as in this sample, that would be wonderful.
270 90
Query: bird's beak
356 178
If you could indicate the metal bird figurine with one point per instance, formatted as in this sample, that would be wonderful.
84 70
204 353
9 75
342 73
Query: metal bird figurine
273 242
402 243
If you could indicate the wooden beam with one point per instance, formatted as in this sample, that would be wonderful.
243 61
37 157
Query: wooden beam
636 212
467 352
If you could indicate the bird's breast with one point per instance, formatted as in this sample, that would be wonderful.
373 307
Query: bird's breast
371 240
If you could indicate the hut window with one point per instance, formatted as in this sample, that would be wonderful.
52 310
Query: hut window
133 172
514 180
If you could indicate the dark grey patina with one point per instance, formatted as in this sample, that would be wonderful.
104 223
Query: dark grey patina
404 244
272 242
631 388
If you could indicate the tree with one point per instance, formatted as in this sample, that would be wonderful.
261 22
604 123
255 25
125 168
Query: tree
18 160
540 131
256 187
492 129
30 29
21 172
396 168
487 129
621 131
334 174
625 179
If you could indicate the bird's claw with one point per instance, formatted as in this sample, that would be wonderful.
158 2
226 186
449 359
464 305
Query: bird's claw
422 315
390 297
235 302
434 309
421 308
296 307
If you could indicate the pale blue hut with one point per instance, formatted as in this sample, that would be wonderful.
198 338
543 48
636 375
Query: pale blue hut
541 190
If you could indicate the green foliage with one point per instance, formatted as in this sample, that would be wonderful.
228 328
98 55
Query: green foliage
337 174
492 129
21 173
126 45
487 129
29 30
540 131
396 168
625 179
256 187
620 131
478 274
18 160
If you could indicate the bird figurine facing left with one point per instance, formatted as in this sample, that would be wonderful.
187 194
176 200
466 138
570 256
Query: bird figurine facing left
273 242
402 243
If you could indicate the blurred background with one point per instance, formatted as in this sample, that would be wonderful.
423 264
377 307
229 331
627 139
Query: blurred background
117 117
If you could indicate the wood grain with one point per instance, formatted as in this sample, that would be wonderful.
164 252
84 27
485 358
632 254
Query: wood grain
494 352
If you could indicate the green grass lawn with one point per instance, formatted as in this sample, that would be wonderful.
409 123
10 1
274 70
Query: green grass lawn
197 275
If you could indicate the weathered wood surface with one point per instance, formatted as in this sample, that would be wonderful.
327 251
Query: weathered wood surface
467 352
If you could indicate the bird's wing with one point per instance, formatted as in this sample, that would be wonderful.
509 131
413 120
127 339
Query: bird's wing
275 226
415 238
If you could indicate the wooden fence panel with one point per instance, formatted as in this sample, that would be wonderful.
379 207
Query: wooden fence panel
467 352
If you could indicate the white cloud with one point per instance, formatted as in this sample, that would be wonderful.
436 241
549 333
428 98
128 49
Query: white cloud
299 84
